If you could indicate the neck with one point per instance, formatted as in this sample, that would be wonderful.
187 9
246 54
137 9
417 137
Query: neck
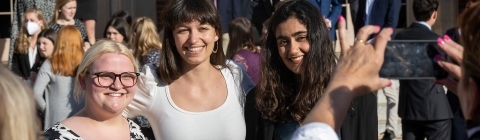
63 20
33 39
198 72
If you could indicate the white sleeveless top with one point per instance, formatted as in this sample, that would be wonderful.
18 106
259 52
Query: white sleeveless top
170 122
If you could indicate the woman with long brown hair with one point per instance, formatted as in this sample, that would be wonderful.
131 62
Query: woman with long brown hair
56 76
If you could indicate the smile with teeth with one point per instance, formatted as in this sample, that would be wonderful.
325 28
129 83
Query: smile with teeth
297 58
194 49
115 94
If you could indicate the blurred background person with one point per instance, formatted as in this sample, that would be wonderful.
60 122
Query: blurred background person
19 8
64 14
18 119
88 14
46 45
56 76
26 43
242 49
145 42
117 30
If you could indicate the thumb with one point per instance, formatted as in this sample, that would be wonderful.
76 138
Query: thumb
385 83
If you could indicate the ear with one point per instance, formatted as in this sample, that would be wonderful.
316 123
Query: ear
217 36
434 15
81 80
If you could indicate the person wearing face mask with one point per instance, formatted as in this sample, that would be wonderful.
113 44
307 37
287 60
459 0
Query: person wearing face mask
64 15
25 45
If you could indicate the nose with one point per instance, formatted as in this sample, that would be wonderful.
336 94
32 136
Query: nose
117 84
293 47
193 38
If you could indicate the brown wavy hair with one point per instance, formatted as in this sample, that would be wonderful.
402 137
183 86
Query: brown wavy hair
470 39
241 32
68 51
185 11
279 97
23 42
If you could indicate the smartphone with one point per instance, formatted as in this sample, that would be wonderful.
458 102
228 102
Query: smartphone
412 59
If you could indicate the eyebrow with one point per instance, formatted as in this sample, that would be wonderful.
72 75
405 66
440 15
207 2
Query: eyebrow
294 34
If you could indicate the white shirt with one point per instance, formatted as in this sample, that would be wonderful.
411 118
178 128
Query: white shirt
315 131
425 24
170 122
368 10
32 55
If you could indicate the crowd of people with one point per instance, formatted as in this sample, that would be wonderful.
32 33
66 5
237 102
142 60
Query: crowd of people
282 80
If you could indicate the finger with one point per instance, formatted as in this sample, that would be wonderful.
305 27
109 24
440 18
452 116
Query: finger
365 32
342 35
384 83
381 41
450 84
452 49
451 68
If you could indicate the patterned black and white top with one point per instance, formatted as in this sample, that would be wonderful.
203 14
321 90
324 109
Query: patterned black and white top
152 57
61 132
78 23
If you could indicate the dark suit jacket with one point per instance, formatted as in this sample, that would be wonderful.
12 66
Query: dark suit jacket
261 11
21 65
331 9
228 10
421 100
384 13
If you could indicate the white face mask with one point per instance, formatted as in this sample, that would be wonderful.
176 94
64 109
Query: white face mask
32 27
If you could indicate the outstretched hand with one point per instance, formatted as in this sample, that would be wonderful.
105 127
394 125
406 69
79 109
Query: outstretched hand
360 64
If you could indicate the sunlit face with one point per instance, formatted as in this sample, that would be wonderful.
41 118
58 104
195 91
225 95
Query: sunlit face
114 35
32 17
68 10
45 47
195 42
293 45
113 98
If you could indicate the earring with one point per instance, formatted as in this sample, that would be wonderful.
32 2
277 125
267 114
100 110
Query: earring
59 11
216 45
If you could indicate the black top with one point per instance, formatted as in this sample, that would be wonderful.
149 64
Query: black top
361 122
78 23
21 65
421 100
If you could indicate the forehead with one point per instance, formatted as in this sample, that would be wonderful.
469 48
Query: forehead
112 62
288 27
112 29
31 15
70 4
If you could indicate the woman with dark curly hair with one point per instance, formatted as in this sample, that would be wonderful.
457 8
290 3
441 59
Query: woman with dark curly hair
297 63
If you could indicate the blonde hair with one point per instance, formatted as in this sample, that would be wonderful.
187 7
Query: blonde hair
68 51
17 109
145 38
58 6
96 51
23 42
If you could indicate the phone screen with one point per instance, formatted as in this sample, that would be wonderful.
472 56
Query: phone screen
411 59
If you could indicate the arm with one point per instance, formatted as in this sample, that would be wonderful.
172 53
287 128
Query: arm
335 12
43 78
90 29
393 13
145 94
15 63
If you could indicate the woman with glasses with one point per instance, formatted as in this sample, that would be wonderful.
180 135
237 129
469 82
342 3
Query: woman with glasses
194 93
106 81
56 75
